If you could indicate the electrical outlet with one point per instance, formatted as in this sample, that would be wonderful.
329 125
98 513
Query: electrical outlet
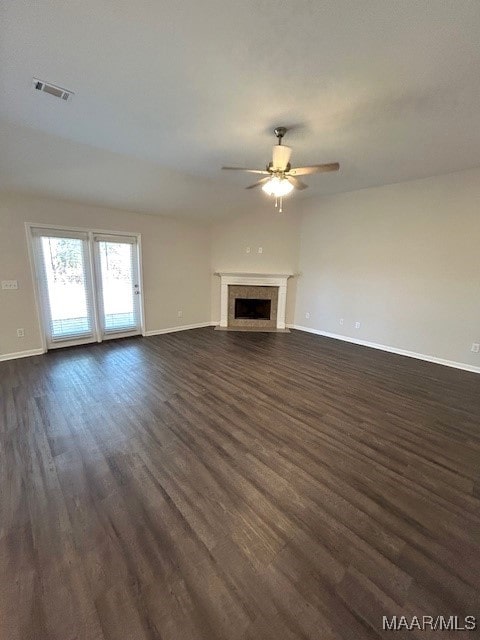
307 316
341 320
20 333
9 284
180 314
357 325
476 347
260 249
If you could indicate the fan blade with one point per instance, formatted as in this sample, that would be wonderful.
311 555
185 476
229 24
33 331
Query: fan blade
258 183
314 168
298 184
265 173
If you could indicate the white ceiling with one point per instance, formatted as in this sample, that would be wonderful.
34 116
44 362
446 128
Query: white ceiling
168 91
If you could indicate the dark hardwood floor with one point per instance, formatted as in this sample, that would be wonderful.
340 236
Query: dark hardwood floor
225 486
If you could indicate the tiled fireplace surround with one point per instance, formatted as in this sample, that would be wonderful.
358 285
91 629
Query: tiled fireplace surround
258 293
253 285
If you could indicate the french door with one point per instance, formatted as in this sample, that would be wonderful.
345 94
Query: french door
118 284
89 285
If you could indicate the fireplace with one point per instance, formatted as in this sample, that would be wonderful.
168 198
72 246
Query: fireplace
252 309
250 306
250 301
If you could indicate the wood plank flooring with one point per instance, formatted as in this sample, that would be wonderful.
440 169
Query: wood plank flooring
235 486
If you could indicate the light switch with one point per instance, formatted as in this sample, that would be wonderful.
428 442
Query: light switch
9 284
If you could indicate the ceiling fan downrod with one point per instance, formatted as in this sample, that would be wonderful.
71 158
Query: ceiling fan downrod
280 132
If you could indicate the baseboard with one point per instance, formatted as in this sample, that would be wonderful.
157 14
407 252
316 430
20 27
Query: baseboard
185 327
383 347
156 332
21 354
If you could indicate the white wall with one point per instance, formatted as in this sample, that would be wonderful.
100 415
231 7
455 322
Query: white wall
278 236
404 260
176 264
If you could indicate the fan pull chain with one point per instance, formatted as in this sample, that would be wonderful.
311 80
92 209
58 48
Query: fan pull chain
281 205
276 202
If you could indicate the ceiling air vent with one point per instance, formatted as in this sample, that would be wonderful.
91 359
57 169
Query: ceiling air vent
52 89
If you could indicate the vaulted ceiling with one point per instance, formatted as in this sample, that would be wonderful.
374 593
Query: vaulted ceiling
168 91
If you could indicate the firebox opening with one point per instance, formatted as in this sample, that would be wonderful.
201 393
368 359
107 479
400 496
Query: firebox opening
252 309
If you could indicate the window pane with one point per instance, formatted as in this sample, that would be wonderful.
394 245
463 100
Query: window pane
66 286
116 261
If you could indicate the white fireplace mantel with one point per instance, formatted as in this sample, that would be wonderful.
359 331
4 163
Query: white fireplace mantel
254 279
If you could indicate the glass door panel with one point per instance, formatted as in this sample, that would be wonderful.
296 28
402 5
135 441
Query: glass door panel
66 288
118 284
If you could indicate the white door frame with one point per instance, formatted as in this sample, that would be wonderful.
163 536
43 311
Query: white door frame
36 283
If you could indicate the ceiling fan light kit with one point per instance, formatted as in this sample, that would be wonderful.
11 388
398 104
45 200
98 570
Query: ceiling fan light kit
278 187
281 179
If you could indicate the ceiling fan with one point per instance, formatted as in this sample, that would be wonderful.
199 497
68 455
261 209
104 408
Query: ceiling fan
281 178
